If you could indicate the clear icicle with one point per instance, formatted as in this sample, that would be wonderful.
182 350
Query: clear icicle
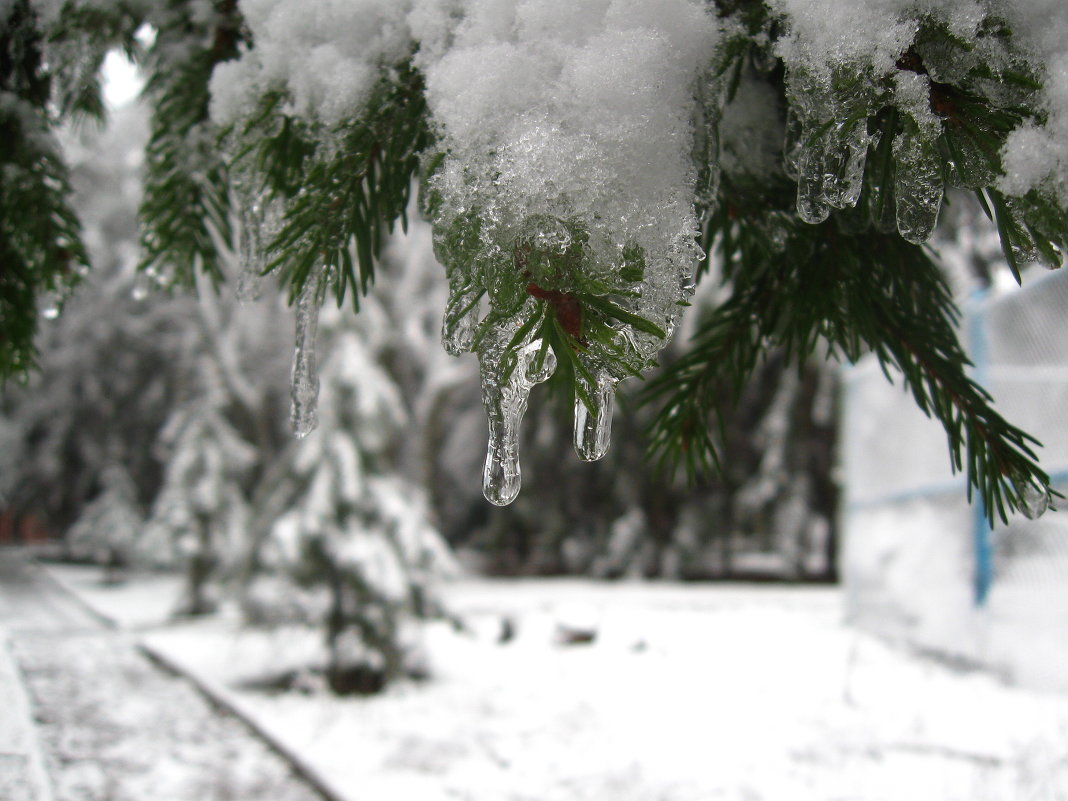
1034 501
505 407
812 205
249 284
506 403
844 165
304 392
593 428
791 147
831 171
917 188
260 222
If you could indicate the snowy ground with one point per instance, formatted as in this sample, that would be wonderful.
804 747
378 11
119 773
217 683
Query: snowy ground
687 694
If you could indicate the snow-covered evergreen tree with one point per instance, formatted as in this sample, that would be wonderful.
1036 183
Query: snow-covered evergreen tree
109 526
200 517
354 531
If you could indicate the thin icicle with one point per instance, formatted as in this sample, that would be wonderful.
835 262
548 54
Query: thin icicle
505 407
812 205
260 221
249 284
791 147
305 376
506 403
593 428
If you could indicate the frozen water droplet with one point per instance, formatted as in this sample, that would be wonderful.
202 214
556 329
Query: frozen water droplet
917 188
1034 501
144 283
304 393
593 427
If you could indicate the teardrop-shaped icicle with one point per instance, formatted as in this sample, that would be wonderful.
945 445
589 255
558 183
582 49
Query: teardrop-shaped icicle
506 403
1034 501
831 171
304 393
812 205
844 166
505 406
593 427
917 188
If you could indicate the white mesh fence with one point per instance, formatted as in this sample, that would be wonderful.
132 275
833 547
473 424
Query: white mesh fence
918 562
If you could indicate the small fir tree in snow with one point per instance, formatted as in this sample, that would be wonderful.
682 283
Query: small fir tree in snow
354 530
201 513
578 160
108 528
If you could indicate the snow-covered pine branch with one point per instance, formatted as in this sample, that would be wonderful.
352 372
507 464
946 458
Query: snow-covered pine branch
575 158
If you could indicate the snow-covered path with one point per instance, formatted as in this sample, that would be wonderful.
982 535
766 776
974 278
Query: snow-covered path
113 726
687 693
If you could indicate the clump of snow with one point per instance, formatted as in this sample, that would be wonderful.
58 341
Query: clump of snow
1036 154
827 33
326 55
585 113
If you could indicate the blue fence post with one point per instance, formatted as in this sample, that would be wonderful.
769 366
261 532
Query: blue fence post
982 531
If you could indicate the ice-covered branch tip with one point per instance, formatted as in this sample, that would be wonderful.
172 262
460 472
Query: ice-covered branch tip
563 201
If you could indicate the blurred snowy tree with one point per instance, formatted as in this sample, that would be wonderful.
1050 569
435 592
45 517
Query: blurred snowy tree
804 145
187 391
352 526
111 356
108 528
200 516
